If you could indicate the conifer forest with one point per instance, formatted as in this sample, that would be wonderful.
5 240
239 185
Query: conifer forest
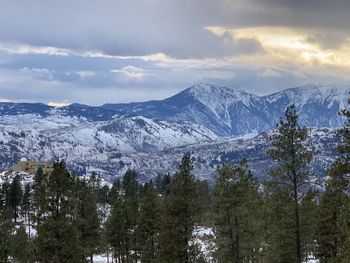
292 216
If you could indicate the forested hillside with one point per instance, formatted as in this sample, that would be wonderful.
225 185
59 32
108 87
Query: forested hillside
292 216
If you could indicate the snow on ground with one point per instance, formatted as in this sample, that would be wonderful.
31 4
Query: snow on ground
102 258
204 239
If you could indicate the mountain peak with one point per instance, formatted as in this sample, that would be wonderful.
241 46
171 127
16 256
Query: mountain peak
214 89
314 92
213 95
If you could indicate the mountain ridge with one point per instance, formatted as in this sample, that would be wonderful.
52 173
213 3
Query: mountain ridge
150 137
233 112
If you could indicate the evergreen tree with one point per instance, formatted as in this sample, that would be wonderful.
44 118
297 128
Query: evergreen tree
26 205
308 217
20 246
333 225
6 226
203 203
15 196
121 226
162 183
57 237
39 195
115 192
116 231
329 233
236 205
103 195
148 224
88 220
178 215
290 182
131 203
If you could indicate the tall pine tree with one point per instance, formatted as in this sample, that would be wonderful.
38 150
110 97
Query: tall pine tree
15 196
333 225
289 184
6 225
88 220
57 237
148 224
178 215
236 205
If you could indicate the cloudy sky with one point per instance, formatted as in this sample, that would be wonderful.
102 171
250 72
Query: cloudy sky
101 51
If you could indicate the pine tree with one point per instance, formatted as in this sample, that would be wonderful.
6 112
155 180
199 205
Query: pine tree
88 220
178 215
203 192
39 195
329 233
57 237
6 225
333 225
290 182
116 230
236 205
115 192
131 203
148 224
15 196
20 246
26 205
162 183
103 195
121 226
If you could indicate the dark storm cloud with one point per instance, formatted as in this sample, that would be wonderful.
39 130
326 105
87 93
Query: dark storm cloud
173 27
122 27
324 14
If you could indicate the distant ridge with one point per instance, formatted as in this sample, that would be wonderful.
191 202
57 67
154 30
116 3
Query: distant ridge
227 111
230 111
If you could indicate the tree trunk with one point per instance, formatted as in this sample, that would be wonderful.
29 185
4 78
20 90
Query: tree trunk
296 219
237 241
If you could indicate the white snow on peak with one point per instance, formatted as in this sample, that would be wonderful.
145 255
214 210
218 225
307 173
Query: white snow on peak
214 96
220 100
314 92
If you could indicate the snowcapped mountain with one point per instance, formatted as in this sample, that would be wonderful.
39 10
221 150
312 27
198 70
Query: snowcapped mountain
233 112
152 136
227 111
317 105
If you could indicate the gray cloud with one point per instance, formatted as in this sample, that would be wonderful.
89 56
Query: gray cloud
328 40
122 28
176 28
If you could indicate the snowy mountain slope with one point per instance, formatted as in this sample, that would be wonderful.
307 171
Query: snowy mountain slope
317 105
110 162
152 136
232 112
227 111
78 140
207 157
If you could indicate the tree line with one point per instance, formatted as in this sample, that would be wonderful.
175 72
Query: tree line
290 217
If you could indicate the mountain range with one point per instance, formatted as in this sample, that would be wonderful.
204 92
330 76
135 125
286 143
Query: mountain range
231 111
151 136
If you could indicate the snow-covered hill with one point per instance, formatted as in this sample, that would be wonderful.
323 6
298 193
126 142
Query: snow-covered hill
82 142
152 136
